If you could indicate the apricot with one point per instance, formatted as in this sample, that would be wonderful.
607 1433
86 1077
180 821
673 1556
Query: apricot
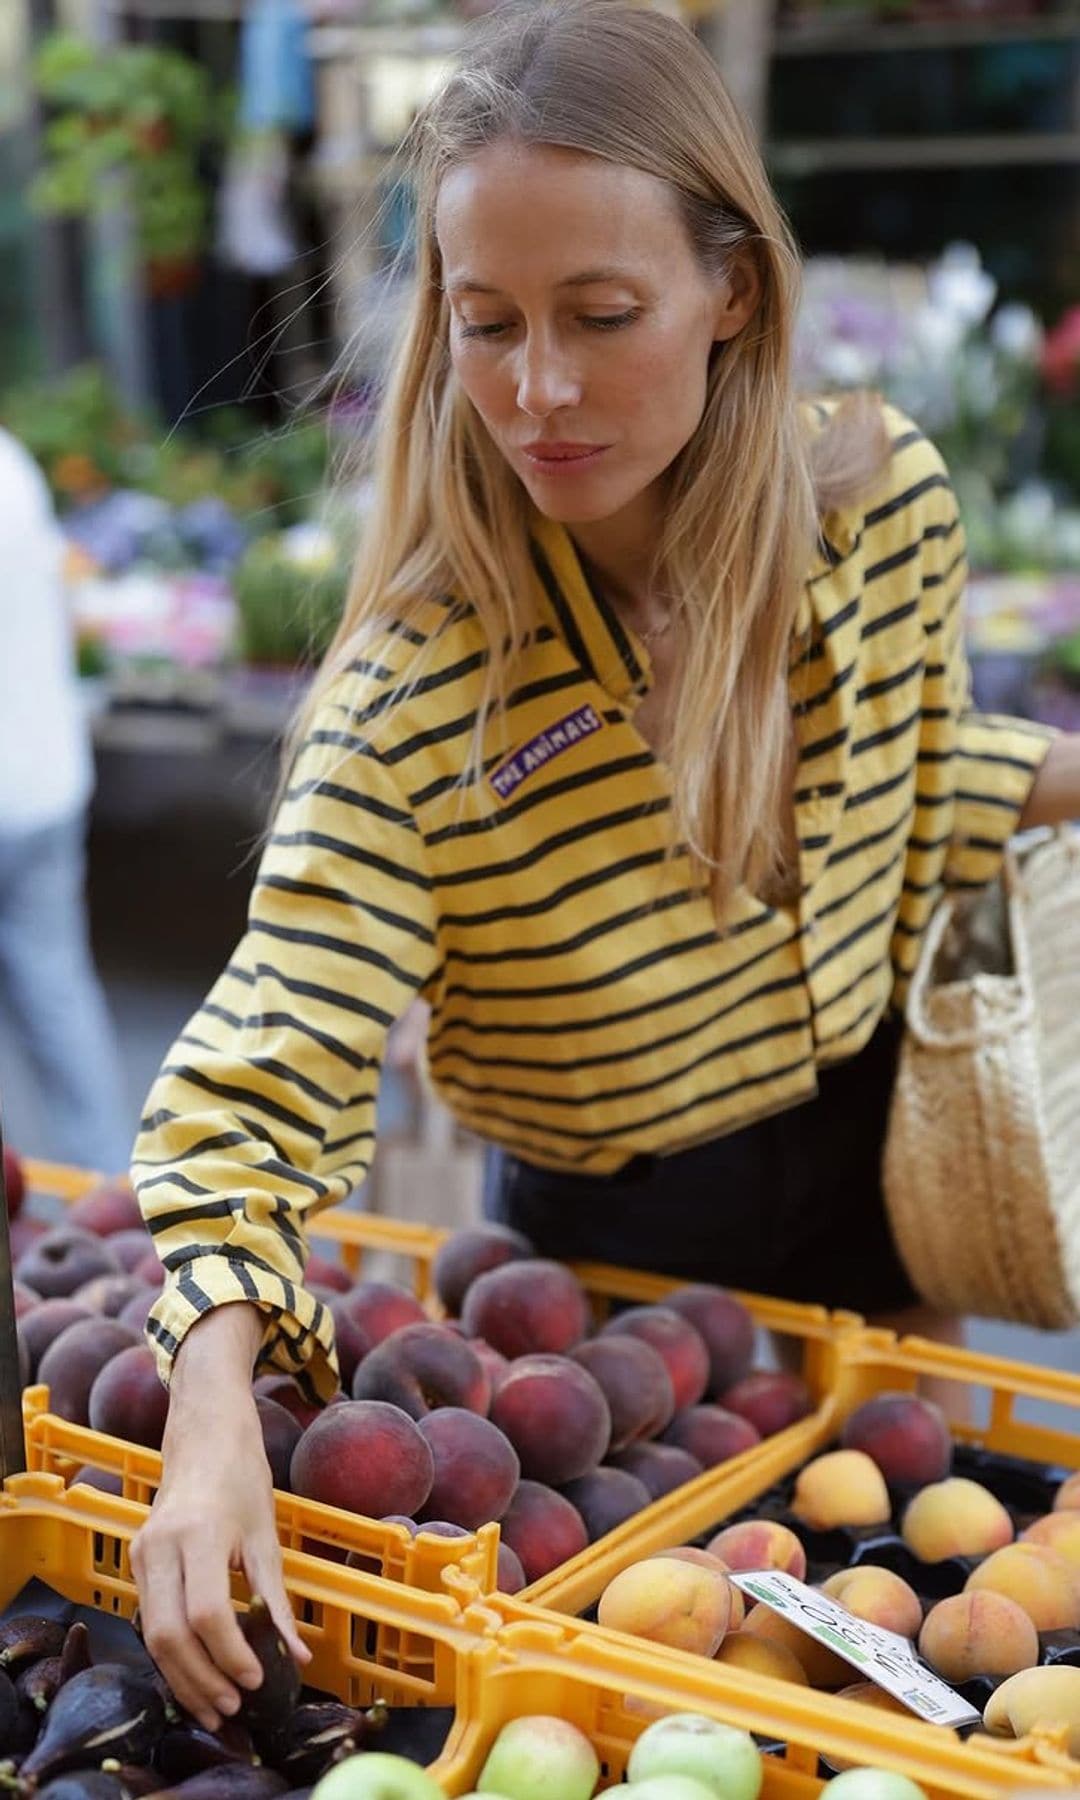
526 1308
366 1456
760 1544
843 1487
710 1434
955 1518
771 1400
1034 1698
908 1438
823 1668
606 1498
762 1656
476 1467
662 1467
635 1383
420 1368
554 1414
668 1602
704 1560
683 1349
1038 1579
879 1597
727 1327
1067 1497
1061 1532
978 1634
127 1398
73 1361
542 1528
467 1254
867 1693
377 1308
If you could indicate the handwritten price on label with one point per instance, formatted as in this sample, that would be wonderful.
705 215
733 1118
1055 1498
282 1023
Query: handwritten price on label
880 1656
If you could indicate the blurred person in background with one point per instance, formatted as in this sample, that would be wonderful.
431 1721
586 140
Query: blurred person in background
51 1000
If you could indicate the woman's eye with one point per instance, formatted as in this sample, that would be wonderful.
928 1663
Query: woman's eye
611 321
480 331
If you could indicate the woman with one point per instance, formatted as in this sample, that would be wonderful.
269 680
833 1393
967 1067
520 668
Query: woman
641 754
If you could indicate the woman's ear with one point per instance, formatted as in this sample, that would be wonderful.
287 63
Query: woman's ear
737 299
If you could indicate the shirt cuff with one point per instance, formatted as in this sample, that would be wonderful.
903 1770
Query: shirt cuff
996 769
298 1343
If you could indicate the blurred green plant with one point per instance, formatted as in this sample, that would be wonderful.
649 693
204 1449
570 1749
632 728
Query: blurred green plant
138 109
289 590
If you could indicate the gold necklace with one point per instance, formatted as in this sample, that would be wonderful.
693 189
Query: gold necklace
604 593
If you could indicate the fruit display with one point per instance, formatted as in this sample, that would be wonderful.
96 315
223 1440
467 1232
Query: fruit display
971 1556
510 1408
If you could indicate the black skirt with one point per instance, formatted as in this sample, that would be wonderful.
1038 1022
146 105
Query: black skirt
791 1205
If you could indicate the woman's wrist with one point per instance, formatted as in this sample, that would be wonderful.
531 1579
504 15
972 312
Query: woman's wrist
218 1354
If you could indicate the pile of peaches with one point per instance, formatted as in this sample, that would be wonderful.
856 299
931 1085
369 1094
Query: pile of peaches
988 1593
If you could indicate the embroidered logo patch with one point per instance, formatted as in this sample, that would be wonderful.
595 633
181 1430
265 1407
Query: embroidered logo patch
563 735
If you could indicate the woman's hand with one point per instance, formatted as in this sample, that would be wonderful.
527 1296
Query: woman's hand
213 1512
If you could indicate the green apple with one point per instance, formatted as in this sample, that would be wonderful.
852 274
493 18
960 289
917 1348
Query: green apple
541 1758
375 1776
722 1758
667 1787
873 1784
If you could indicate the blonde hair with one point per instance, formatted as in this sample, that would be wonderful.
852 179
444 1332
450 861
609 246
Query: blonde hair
610 79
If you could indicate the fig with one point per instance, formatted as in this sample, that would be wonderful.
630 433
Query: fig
28 1638
230 1781
38 1682
188 1749
322 1732
9 1713
85 1784
267 1710
108 1711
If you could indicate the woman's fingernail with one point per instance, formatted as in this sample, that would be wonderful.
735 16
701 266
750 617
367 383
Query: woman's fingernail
209 1721
252 1681
228 1703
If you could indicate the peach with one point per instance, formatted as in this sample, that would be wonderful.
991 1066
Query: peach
108 1294
322 1271
710 1434
670 1603
1067 1497
151 1270
25 1298
127 1398
421 1367
955 1518
107 1481
879 1597
526 1308
843 1487
606 1498
1038 1579
771 1400
542 1528
554 1414
467 1254
281 1433
1048 1697
683 1349
285 1391
635 1384
823 1668
727 1328
48 1319
110 1207
1061 1531
23 1233
978 1634
63 1260
510 1576
908 1438
762 1656
136 1311
493 1365
377 1308
476 1467
350 1341
662 1467
131 1247
73 1361
366 1456
689 1553
760 1544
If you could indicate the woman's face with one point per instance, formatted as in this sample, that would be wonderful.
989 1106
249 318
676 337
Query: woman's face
581 321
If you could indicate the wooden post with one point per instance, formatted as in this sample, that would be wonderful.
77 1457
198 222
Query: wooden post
12 1442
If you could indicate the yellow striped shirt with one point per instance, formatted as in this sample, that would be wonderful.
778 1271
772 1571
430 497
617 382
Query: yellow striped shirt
584 1007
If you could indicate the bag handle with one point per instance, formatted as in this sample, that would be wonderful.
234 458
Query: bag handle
918 1022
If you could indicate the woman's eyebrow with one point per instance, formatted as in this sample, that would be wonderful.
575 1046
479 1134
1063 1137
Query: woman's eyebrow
587 278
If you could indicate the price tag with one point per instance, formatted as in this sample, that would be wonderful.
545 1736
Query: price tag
880 1656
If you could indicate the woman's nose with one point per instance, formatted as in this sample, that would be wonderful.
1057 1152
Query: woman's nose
546 381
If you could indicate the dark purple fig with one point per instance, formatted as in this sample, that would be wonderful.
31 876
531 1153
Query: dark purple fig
75 1656
321 1733
231 1781
9 1714
84 1784
188 1748
106 1712
38 1682
28 1638
134 1781
267 1711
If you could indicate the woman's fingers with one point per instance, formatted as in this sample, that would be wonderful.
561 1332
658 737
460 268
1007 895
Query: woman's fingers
198 1685
262 1566
209 1611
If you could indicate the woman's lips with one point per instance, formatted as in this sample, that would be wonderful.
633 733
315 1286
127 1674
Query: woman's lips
563 459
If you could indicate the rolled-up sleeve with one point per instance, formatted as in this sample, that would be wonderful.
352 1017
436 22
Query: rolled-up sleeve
993 760
264 1110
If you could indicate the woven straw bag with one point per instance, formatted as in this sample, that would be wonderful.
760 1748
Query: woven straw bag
982 1157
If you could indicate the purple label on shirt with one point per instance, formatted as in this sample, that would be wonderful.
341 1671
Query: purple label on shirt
563 735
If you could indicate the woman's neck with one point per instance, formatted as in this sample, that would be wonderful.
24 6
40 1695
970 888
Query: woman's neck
622 550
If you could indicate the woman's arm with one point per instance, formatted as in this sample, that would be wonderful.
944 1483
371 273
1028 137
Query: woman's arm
1055 797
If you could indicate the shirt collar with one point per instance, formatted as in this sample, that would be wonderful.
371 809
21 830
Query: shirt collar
589 624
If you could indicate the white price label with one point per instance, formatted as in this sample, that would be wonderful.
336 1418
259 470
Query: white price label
880 1656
